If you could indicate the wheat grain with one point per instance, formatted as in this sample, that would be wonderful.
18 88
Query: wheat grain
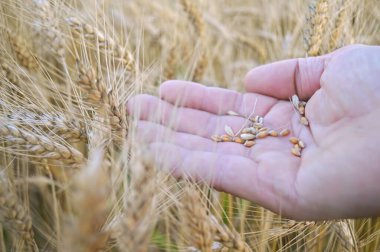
239 140
296 152
249 144
294 140
247 136
229 131
304 121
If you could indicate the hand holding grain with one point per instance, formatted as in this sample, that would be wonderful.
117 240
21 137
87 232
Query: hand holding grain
337 175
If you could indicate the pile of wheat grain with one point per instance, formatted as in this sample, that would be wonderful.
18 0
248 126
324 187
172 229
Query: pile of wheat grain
73 176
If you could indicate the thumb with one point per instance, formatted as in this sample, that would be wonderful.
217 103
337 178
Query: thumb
285 78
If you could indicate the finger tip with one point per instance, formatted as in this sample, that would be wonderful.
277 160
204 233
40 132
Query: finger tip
166 87
138 103
248 78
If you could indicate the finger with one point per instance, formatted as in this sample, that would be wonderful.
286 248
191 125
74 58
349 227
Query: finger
288 77
181 119
148 132
212 99
269 184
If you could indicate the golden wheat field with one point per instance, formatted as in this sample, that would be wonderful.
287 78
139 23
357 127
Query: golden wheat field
73 174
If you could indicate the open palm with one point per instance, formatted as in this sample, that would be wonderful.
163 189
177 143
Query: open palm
337 173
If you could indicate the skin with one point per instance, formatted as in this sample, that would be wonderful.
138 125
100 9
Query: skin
337 175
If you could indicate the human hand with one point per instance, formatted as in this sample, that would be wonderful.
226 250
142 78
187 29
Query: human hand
337 174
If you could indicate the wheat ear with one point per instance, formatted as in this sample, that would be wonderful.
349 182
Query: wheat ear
195 16
341 32
345 235
314 36
41 147
228 238
256 46
199 231
138 219
103 100
22 51
98 38
14 215
53 125
171 61
46 26
9 75
90 200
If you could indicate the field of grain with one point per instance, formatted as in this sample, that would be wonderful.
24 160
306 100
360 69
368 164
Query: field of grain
73 174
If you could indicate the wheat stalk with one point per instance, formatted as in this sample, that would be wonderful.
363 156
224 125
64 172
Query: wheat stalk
314 36
14 215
